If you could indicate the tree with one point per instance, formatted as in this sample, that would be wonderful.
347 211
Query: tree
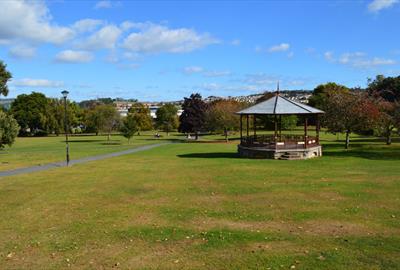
167 118
387 88
129 127
193 117
33 113
389 118
8 129
322 92
103 118
141 114
5 76
347 112
221 117
74 115
288 122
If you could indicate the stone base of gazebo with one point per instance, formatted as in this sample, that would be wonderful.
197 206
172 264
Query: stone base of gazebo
288 154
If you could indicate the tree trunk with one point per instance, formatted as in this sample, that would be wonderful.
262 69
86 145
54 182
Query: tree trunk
226 134
108 136
347 139
388 138
196 135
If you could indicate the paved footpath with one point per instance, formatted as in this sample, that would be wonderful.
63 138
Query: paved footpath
77 161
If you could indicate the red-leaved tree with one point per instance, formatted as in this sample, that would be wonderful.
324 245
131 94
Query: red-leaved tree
347 112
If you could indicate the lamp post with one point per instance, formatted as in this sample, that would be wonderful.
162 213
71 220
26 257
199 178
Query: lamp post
65 94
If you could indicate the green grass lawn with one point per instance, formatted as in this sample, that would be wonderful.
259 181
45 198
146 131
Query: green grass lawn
28 151
199 206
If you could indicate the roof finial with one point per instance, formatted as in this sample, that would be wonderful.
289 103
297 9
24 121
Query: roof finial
277 89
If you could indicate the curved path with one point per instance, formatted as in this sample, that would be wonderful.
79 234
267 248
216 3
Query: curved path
77 161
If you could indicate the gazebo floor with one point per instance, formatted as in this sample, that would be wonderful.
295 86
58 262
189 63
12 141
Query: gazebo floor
286 154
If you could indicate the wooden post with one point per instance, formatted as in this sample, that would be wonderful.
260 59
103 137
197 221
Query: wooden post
305 131
247 126
317 127
241 128
254 126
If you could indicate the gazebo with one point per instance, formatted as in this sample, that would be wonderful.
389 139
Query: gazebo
278 145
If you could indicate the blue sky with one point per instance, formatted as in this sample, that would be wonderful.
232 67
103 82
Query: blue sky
165 50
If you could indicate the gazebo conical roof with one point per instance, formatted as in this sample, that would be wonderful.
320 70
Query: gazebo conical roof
279 105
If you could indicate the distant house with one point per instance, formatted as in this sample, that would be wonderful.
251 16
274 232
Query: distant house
124 106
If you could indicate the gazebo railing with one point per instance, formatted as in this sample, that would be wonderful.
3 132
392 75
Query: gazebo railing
279 142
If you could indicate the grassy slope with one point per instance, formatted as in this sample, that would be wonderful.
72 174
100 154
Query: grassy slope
198 206
35 151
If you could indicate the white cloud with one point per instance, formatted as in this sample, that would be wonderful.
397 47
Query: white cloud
261 79
192 70
70 56
211 87
103 4
310 50
127 25
128 66
132 56
215 73
22 52
258 49
378 5
290 54
295 82
279 48
358 60
160 39
86 25
207 73
107 4
27 82
30 21
235 42
105 38
376 61
328 56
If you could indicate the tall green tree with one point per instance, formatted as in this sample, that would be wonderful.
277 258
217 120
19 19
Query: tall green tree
142 116
129 127
221 117
167 118
103 118
387 88
193 117
322 92
33 114
74 115
5 76
8 129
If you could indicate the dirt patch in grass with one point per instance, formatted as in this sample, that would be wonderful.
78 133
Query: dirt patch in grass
315 227
335 228
330 195
276 247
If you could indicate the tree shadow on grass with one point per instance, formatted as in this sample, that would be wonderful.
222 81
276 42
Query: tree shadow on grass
111 143
163 139
372 155
210 155
367 148
86 141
